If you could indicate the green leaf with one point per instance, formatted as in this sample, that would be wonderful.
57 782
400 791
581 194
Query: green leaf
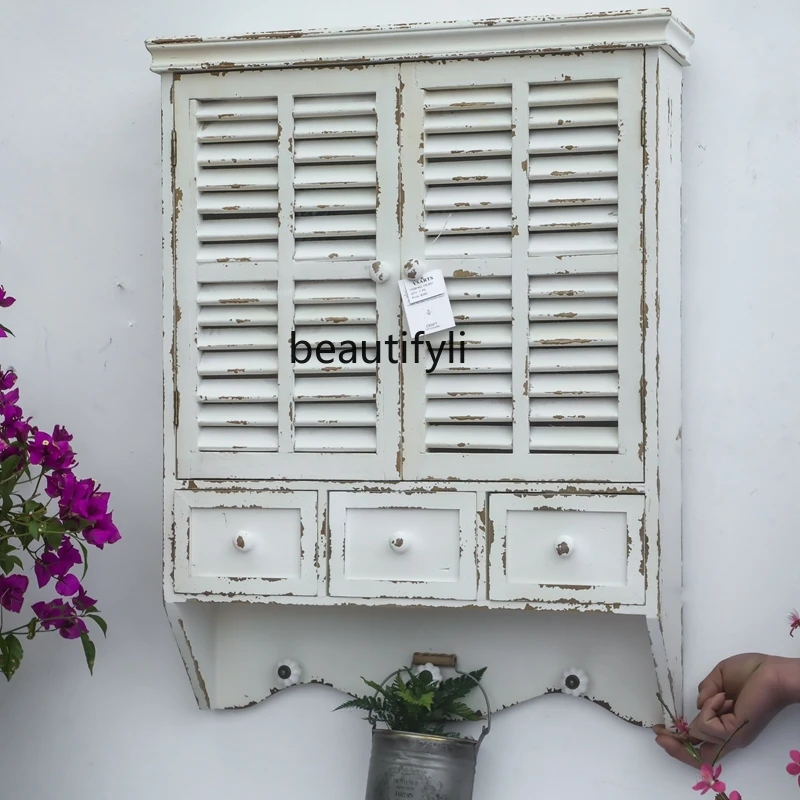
32 627
101 623
10 655
7 330
7 563
85 559
89 651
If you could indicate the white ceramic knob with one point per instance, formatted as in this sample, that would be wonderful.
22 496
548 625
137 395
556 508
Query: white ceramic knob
243 541
399 543
564 546
378 272
413 270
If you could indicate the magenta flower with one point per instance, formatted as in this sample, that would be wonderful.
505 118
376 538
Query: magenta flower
56 481
68 585
709 779
60 616
82 601
681 726
102 533
75 496
794 622
734 796
5 300
56 564
7 380
793 767
51 451
12 592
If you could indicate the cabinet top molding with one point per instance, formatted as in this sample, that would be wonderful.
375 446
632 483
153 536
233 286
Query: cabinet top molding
426 41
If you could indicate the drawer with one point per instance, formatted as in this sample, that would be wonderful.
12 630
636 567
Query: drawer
246 542
403 545
567 548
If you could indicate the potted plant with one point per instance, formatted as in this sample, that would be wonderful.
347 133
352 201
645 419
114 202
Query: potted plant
415 757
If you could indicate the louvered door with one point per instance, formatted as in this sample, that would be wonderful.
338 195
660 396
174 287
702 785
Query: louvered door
522 180
286 195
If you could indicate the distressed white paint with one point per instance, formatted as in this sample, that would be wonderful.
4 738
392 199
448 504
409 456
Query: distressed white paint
740 437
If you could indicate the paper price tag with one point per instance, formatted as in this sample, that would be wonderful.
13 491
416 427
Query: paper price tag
426 304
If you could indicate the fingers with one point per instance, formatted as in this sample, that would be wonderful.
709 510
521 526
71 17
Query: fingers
711 685
707 725
676 748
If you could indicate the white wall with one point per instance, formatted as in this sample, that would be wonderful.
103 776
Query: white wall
80 247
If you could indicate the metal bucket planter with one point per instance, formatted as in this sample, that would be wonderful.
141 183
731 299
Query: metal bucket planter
416 766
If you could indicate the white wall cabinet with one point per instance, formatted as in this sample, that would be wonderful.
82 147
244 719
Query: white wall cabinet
314 461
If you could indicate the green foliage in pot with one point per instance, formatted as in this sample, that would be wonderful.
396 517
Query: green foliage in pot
419 700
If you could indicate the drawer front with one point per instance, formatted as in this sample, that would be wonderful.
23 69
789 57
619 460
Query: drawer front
567 548
247 543
403 545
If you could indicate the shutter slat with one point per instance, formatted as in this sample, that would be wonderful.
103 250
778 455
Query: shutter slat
230 315
573 359
475 246
222 415
326 150
235 178
452 198
475 361
454 385
599 285
487 335
334 106
467 438
238 294
245 251
460 411
335 225
573 193
237 390
559 384
238 363
573 243
572 117
317 200
573 334
483 311
468 170
468 121
573 92
335 387
347 415
334 291
335 333
579 308
238 438
237 202
214 110
583 410
335 127
332 175
599 165
232 230
467 98
461 222
590 217
483 289
237 339
362 363
339 440
335 249
468 145
336 314
238 131
583 140
229 154
574 439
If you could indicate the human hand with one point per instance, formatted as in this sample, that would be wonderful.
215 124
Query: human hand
745 691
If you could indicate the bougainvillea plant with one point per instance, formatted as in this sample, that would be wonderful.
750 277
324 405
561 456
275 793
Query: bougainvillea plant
48 518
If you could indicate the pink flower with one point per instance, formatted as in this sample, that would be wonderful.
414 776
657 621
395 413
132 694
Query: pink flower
681 726
794 622
793 767
709 779
734 796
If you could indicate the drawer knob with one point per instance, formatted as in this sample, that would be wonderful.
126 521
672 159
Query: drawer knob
399 543
243 541
565 546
